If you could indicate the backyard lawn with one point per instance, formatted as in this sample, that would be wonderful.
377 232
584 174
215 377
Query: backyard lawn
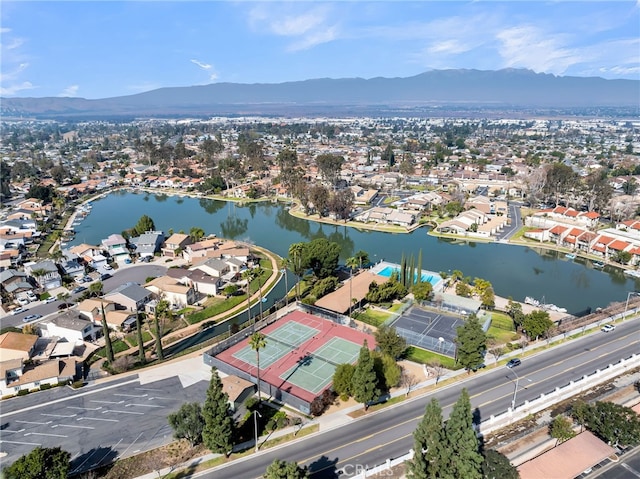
502 329
422 356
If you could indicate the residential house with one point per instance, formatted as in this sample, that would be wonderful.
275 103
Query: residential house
15 282
17 346
130 295
148 243
45 273
72 266
175 245
16 376
201 282
116 247
200 249
69 325
91 255
176 293
213 267
91 309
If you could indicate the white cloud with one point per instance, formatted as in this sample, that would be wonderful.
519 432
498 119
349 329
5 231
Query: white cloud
5 30
204 66
307 28
529 47
449 47
71 90
15 43
14 89
213 77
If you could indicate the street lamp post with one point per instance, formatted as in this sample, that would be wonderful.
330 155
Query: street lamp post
626 306
515 391
255 419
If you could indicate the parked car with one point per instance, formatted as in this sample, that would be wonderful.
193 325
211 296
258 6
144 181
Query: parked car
64 305
22 301
31 296
478 366
87 279
31 317
78 289
108 267
514 362
104 276
50 299
607 328
18 310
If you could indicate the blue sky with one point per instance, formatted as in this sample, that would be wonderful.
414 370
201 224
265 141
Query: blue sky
102 49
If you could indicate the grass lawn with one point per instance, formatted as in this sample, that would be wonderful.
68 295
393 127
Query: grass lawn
132 338
502 329
118 347
422 356
373 317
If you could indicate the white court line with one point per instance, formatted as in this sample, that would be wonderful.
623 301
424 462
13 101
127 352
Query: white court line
122 412
2 441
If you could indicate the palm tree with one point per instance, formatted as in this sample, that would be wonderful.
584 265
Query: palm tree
248 275
161 311
284 263
107 336
257 342
295 259
196 234
362 257
351 262
141 355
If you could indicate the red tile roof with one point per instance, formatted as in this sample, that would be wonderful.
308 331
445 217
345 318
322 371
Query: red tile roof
619 245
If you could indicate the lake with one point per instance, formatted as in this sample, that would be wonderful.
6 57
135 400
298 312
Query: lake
515 271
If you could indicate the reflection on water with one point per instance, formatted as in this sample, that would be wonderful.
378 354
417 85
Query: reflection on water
512 270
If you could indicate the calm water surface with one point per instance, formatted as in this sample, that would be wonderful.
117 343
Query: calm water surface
514 271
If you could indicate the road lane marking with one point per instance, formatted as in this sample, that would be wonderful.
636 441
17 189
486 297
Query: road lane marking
96 419
71 425
4 441
121 412
143 405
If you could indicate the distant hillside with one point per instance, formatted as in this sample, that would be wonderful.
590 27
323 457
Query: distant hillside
510 88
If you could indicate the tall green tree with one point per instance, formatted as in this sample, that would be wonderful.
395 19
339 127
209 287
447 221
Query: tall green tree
217 432
280 469
296 252
141 356
364 387
107 336
187 423
342 379
462 441
472 343
536 324
196 234
351 263
321 255
430 452
390 342
161 311
616 424
40 463
496 465
561 429
257 342
363 258
144 224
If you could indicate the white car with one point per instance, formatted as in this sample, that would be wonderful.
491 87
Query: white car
22 301
607 328
107 267
50 299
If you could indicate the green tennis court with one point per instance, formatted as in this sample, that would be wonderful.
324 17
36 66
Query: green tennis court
278 343
315 369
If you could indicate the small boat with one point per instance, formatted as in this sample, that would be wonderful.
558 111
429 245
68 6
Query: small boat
632 272
598 264
570 256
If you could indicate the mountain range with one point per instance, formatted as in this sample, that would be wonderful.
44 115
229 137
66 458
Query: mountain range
508 88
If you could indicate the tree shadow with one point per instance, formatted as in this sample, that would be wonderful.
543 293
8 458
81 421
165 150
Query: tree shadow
324 468
99 459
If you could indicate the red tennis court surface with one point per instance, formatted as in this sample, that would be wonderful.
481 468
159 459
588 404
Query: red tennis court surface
292 343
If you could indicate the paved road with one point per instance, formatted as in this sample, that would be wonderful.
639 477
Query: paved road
388 434
135 273
98 423
516 223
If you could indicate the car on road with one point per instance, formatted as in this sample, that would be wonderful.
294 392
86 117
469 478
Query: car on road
104 276
18 310
478 367
78 289
514 362
607 328
64 305
31 317
50 299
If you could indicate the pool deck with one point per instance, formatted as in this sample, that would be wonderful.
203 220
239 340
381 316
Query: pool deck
382 265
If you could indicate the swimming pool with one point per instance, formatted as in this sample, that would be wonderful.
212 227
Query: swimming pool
387 271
